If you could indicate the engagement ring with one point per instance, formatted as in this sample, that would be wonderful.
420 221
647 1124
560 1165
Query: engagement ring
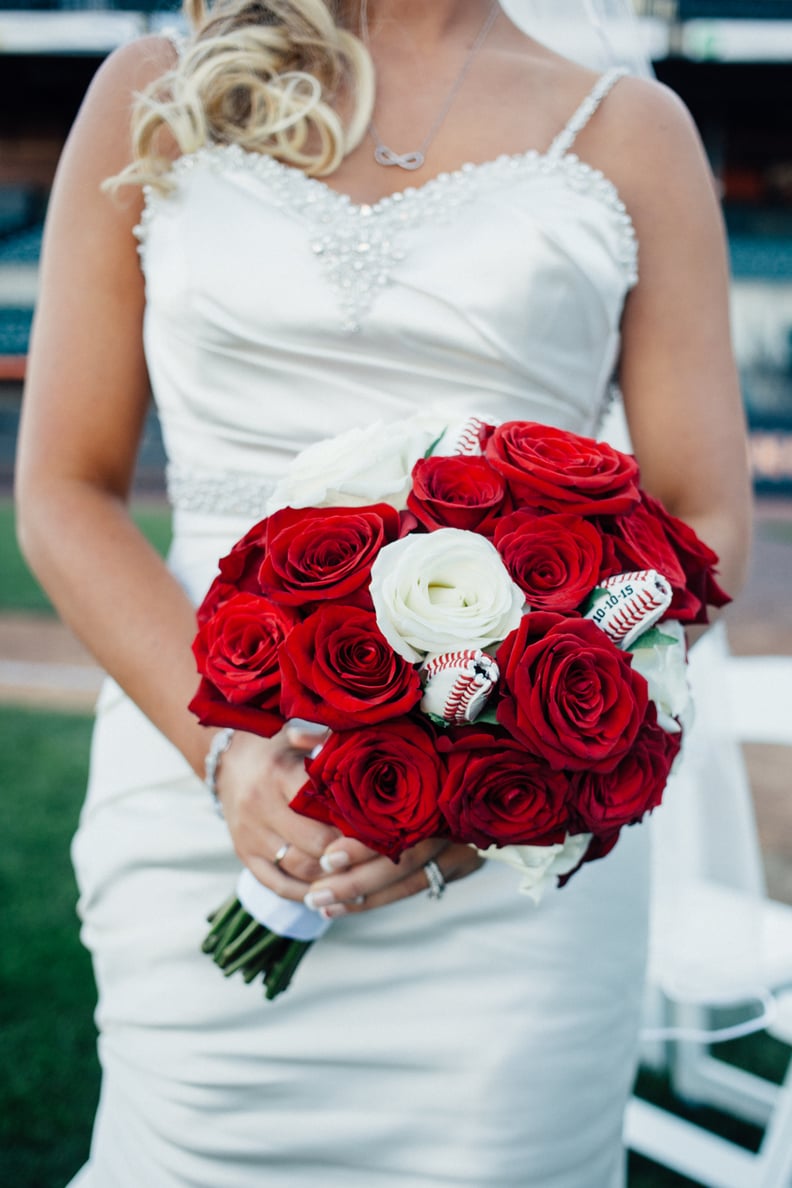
437 883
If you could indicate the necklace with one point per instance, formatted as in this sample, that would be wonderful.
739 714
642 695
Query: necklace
383 154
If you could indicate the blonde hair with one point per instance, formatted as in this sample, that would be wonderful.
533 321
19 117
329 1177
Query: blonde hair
267 76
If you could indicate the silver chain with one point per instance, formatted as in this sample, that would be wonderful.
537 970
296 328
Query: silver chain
384 155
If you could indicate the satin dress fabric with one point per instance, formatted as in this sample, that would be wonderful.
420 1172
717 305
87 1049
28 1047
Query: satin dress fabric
479 1040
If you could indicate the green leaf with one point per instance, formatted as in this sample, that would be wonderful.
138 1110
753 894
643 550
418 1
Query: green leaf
487 716
430 451
593 597
653 638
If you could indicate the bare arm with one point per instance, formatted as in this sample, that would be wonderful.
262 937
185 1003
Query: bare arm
84 405
85 400
678 375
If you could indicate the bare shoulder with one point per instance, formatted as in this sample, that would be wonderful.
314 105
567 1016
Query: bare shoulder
103 124
644 138
649 116
81 215
135 65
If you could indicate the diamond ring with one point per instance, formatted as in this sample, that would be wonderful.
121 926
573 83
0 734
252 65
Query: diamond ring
434 877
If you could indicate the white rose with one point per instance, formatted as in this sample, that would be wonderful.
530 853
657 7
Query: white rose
441 592
664 668
540 866
363 466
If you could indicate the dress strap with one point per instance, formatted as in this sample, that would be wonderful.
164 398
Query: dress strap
566 137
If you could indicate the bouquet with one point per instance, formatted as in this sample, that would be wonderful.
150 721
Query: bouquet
489 621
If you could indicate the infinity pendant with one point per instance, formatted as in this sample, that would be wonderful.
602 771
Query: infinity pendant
386 156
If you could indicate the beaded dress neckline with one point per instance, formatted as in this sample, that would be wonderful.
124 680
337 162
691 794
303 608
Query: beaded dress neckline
280 311
359 243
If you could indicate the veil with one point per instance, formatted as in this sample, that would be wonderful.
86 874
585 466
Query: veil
597 33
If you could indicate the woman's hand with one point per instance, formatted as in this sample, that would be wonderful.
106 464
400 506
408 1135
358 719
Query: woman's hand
256 780
366 880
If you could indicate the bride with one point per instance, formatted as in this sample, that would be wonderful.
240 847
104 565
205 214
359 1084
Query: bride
317 251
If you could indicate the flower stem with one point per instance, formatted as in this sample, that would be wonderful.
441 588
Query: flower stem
238 943
218 920
266 944
226 931
279 977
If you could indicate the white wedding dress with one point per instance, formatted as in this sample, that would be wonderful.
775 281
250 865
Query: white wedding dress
479 1040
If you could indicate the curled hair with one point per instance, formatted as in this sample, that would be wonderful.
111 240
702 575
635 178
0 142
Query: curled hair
268 76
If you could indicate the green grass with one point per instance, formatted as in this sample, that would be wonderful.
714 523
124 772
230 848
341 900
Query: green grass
19 590
47 1040
50 1079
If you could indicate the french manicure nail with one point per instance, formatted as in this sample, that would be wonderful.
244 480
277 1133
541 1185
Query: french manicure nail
333 912
319 899
334 861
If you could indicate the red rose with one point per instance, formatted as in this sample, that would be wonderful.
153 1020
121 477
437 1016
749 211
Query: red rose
639 542
571 697
219 592
555 559
456 492
338 669
497 795
552 470
237 655
319 554
238 571
623 796
240 565
649 537
697 560
379 785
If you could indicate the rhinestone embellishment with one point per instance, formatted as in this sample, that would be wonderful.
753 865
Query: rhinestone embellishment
360 246
220 493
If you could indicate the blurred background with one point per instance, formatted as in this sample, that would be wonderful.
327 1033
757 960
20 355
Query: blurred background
731 63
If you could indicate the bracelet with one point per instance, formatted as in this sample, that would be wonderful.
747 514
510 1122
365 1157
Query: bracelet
217 748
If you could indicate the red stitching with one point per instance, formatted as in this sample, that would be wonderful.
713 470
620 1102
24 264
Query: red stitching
629 616
461 695
622 579
467 685
451 659
469 441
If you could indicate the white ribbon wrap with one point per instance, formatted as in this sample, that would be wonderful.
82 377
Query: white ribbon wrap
284 916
